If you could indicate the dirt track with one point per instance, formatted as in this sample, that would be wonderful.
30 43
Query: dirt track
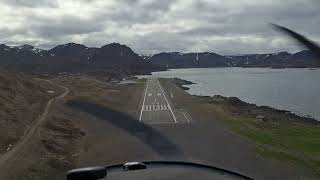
7 157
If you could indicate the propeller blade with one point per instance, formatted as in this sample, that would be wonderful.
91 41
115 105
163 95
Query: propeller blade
312 46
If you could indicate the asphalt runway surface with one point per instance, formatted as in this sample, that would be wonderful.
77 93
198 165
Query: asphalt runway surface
205 140
165 130
156 107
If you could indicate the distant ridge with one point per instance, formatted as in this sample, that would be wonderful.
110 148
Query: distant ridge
118 58
207 59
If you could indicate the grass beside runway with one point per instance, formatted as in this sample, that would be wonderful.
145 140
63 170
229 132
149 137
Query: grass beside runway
288 140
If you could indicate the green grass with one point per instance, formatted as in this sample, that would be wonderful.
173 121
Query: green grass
294 143
312 164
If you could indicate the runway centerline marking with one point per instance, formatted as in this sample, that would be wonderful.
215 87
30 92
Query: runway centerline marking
174 117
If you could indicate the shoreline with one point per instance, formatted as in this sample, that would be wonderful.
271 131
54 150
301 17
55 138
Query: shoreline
277 134
238 107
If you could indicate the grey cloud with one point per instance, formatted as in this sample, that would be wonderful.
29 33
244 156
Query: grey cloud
5 32
158 5
252 20
223 26
32 3
65 26
129 12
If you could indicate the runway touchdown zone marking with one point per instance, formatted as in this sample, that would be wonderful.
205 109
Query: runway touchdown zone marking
156 107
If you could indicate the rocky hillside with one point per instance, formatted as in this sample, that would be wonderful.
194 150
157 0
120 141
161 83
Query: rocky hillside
200 60
73 57
22 100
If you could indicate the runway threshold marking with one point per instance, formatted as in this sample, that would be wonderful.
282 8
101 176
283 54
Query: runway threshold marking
174 117
144 99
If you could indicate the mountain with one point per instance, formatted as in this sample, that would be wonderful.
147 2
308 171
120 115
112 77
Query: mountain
119 59
116 54
74 58
303 59
259 60
19 55
188 60
276 60
206 60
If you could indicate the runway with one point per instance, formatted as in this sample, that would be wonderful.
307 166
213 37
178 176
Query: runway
157 107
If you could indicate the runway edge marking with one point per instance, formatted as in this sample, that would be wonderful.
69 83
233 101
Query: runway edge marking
144 99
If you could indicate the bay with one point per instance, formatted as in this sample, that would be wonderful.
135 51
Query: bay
295 90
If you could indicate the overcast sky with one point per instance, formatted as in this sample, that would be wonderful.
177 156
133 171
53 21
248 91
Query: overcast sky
152 26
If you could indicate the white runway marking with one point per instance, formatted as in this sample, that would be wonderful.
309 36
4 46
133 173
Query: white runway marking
184 114
174 117
163 123
155 107
156 110
151 104
144 99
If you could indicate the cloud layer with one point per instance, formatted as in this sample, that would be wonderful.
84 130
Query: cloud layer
152 26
